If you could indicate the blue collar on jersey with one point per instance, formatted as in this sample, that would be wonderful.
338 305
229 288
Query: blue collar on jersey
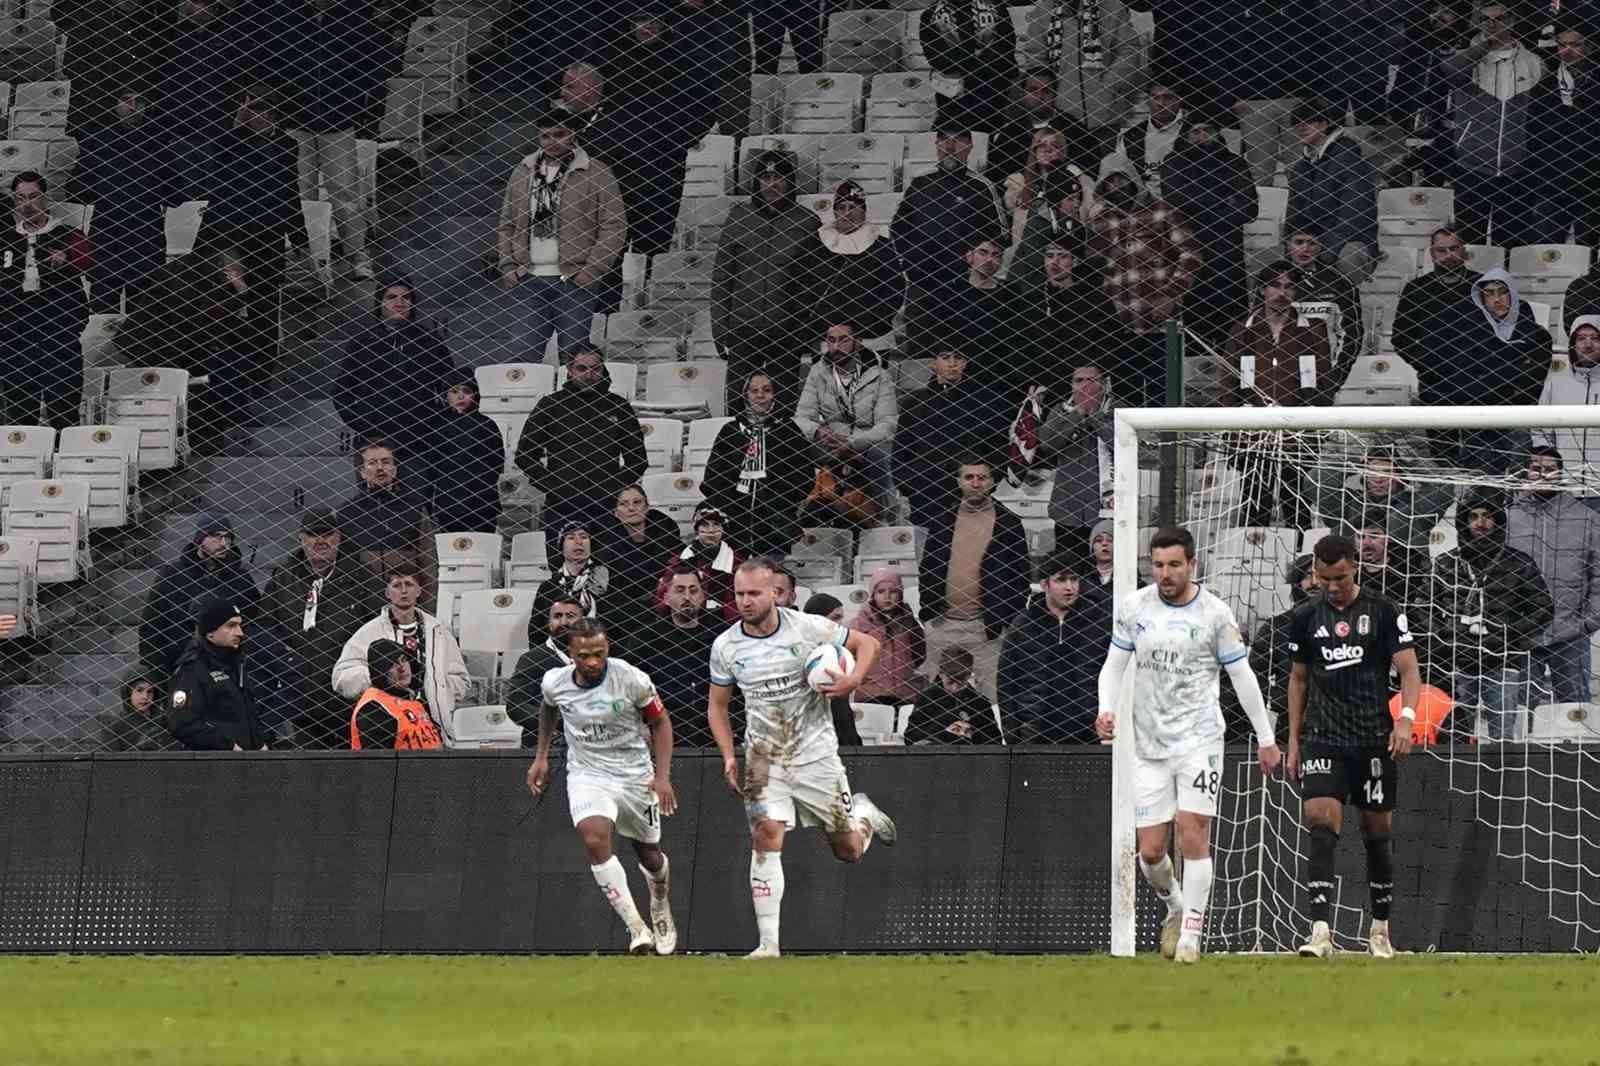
757 636
598 683
1185 603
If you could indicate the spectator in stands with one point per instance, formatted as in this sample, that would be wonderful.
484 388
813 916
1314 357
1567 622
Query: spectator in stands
1212 191
211 707
825 606
1152 261
949 710
1063 220
1093 53
633 544
136 725
42 310
1051 658
582 443
438 672
755 265
1333 187
974 44
783 587
799 18
844 718
851 271
562 228
760 472
1076 434
1490 84
973 309
711 43
849 411
1412 508
1045 177
1577 385
1495 605
902 646
387 715
314 600
580 575
547 650
942 215
1507 355
1564 111
387 523
127 168
1057 315
1270 657
1102 547
110 47
1395 571
464 457
202 66
327 53
1146 145
1034 109
674 644
388 377
973 577
208 568
253 203
713 558
1322 293
1562 536
956 414
1429 302
1420 99
583 99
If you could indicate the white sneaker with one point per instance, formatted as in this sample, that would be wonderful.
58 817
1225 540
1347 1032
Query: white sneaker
1171 930
643 942
1320 946
1188 951
765 951
882 825
1379 946
666 930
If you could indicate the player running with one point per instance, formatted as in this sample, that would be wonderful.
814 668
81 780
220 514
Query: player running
1181 638
1341 646
611 783
792 769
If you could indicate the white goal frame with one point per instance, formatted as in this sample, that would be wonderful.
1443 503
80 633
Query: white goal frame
1132 425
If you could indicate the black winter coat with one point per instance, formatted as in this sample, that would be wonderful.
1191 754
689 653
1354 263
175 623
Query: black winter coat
1492 602
635 566
331 64
462 457
1050 669
867 289
940 718
765 519
1003 575
1467 364
253 187
166 626
582 445
389 385
1427 304
942 215
939 425
385 520
210 704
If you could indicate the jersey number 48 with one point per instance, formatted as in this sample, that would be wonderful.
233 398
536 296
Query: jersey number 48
1205 782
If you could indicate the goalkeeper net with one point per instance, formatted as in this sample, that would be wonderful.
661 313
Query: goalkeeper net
1484 536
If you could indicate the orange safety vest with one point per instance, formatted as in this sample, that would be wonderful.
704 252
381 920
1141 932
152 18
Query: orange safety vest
414 729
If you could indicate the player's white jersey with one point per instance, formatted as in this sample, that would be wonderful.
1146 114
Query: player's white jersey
1180 652
604 723
785 718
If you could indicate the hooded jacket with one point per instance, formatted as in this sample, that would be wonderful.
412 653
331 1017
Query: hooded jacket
1491 599
1575 385
902 645
845 276
1508 361
1491 92
1093 84
867 410
763 512
591 223
635 565
1561 535
582 443
388 383
209 703
1002 575
1049 669
166 625
444 679
754 266
1076 443
1336 188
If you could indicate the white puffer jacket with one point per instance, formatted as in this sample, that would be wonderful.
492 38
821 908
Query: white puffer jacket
444 682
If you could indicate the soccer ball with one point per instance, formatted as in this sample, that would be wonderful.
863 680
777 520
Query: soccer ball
827 664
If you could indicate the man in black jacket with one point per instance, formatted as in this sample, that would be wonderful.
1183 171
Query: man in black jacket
1428 301
1563 113
523 697
210 707
974 572
387 522
673 645
1050 660
582 444
1322 293
957 414
210 567
760 472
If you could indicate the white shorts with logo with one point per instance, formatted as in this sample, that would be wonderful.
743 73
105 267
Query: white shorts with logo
1188 782
631 807
815 793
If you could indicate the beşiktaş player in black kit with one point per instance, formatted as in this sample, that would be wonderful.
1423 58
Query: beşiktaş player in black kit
1342 646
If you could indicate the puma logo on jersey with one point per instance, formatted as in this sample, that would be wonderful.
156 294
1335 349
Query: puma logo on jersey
1343 655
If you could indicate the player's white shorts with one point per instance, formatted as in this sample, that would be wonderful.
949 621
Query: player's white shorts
1188 782
631 807
816 793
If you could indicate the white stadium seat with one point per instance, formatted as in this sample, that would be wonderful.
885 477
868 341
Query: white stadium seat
902 102
56 514
708 168
508 393
822 103
646 336
663 443
702 435
872 160
25 453
530 561
155 401
107 457
676 494
680 280
690 389
866 42
19 583
1421 202
493 628
468 560
483 726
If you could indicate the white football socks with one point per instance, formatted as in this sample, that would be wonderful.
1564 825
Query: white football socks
1160 878
861 820
766 892
613 881
1196 895
658 880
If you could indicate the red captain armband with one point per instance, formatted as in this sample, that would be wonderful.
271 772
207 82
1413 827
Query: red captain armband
653 712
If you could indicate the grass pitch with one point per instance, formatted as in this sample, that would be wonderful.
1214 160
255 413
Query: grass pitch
815 1011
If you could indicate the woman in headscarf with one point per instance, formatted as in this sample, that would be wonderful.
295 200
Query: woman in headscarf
633 546
760 472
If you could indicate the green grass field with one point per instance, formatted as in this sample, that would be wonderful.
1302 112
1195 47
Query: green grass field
660 1012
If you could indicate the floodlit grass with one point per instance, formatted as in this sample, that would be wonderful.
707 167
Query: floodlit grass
817 1011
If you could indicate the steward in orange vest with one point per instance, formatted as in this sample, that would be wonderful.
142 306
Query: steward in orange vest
391 716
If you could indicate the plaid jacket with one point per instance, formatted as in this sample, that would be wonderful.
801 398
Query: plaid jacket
1152 259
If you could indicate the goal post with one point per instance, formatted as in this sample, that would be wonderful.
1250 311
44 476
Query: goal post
1311 429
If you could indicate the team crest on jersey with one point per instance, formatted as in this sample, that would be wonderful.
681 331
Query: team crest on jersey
616 708
1363 625
797 650
1341 630
1214 760
1376 768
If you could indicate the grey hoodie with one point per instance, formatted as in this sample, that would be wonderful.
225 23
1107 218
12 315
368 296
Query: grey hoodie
1562 535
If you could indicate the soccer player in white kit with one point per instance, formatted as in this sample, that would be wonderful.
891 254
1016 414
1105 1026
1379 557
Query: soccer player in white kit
604 705
1181 638
792 773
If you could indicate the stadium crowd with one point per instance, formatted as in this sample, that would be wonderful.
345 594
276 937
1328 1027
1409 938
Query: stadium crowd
877 374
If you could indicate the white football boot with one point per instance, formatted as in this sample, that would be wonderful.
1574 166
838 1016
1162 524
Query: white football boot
643 943
765 951
882 825
1320 946
1379 946
1188 950
1171 929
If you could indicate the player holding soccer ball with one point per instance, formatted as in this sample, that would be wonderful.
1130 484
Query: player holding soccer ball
1181 638
792 773
1342 646
612 784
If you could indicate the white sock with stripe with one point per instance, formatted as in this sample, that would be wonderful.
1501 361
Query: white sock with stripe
766 893
1196 896
613 882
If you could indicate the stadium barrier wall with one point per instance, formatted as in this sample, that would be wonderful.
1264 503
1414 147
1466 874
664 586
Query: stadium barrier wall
1001 850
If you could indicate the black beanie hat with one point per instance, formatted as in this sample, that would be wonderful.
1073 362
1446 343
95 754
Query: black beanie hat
381 657
822 604
213 613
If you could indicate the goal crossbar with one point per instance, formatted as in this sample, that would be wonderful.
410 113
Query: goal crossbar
1131 425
